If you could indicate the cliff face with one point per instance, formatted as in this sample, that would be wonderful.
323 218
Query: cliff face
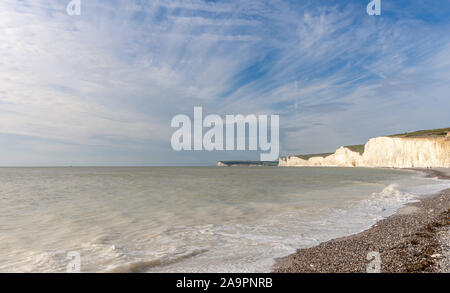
393 152
407 152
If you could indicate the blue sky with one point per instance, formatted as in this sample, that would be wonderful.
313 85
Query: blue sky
102 88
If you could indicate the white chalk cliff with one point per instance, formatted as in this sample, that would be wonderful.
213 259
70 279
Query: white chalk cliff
391 152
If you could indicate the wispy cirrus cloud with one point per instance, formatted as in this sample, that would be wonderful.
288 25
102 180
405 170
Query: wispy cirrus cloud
101 88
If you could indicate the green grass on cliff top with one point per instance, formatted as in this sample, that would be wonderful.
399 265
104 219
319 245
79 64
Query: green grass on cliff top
354 148
306 157
360 147
424 133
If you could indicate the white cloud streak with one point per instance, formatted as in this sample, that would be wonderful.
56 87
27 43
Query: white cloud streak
115 76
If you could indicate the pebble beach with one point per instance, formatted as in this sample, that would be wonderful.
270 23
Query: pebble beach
415 239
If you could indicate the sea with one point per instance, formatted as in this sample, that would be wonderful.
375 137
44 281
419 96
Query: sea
188 219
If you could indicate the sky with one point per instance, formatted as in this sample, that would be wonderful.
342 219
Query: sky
101 88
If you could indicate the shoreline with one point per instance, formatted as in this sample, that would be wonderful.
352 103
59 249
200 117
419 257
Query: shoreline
415 239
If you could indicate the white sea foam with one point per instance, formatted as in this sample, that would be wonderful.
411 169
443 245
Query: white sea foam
188 219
